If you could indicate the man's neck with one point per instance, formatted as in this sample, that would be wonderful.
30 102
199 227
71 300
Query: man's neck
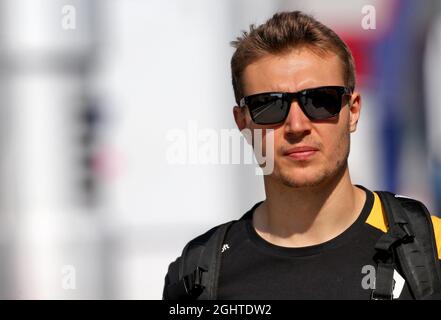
299 217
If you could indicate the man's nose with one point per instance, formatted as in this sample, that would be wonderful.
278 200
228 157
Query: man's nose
297 122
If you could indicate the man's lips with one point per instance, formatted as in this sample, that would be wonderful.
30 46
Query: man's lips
300 152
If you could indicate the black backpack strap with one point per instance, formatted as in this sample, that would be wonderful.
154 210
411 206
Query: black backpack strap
211 262
410 244
199 267
384 283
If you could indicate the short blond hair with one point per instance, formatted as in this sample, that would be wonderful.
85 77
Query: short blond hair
283 32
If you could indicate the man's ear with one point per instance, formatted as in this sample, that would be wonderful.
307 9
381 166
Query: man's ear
354 111
240 117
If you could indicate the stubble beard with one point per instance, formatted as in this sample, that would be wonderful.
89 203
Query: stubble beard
322 176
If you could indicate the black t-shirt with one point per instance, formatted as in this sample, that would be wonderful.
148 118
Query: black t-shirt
341 268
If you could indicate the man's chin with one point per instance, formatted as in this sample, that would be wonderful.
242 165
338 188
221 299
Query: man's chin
308 177
301 184
299 180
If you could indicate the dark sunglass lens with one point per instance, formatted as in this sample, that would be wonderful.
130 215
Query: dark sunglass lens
322 103
267 108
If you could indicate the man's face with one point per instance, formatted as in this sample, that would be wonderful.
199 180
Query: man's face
297 70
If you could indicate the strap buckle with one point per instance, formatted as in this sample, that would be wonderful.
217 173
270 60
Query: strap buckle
193 282
398 233
408 235
376 296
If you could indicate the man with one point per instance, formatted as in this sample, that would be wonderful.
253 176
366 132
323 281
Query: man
314 236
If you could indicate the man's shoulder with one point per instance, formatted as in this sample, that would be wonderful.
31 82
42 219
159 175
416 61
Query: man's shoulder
202 239
192 248
379 217
436 221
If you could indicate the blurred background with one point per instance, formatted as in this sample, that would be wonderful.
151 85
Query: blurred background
90 205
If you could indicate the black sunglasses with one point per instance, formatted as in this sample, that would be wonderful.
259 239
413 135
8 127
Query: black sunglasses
316 103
